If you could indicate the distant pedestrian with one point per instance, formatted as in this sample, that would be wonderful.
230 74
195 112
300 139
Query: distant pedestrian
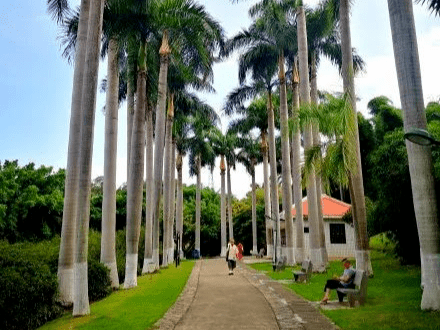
231 256
240 251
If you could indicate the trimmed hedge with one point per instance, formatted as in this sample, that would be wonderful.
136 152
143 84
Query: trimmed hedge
29 284
28 290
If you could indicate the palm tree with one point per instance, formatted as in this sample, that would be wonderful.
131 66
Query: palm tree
419 157
196 75
134 184
159 143
182 130
223 207
363 260
273 20
255 116
148 265
249 155
198 27
224 145
201 154
167 181
296 167
80 299
230 164
108 247
304 87
261 60
68 231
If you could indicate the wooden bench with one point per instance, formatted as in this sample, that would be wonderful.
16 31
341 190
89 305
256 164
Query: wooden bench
281 263
261 253
305 273
360 291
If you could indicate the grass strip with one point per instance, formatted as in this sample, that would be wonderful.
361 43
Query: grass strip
137 308
393 300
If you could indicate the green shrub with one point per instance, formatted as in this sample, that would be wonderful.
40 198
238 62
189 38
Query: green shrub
98 280
28 290
28 281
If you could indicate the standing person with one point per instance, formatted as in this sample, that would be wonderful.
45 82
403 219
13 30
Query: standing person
240 249
344 281
232 256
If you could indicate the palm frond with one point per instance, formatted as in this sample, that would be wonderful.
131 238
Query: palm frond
58 9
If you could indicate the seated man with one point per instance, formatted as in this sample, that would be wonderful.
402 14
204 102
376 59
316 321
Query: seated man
344 281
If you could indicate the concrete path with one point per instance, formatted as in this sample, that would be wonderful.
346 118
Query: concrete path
213 300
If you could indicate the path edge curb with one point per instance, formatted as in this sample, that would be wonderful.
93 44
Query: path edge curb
183 302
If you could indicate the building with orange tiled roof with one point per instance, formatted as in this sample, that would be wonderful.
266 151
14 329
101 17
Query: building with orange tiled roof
339 234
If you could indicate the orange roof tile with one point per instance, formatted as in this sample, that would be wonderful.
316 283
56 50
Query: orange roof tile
331 207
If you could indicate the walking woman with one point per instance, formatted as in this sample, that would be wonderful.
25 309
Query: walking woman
231 255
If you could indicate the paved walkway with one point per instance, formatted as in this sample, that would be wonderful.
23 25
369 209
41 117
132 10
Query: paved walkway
246 300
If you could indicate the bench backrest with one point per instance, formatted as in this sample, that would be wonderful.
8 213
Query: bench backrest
360 281
358 277
306 266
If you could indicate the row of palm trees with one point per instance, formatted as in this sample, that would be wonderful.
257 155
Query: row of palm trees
267 42
156 49
279 34
159 48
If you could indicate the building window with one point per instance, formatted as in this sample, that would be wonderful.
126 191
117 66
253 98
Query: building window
337 233
306 230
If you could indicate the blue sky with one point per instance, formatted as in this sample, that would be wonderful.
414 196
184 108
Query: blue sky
36 82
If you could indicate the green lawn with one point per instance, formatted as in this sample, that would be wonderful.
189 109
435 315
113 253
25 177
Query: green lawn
137 308
393 301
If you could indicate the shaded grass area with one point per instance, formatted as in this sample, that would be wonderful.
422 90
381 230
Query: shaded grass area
393 301
137 308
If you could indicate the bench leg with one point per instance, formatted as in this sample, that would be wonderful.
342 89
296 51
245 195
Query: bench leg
340 296
351 300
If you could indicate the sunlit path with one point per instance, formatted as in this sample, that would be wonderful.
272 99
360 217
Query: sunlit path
227 302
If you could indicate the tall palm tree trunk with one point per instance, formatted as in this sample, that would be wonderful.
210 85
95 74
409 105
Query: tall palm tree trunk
173 201
148 266
198 202
179 204
167 182
167 187
363 260
108 232
135 179
317 142
304 87
159 143
223 207
267 209
228 178
296 170
68 230
275 211
254 210
131 89
81 298
286 171
419 157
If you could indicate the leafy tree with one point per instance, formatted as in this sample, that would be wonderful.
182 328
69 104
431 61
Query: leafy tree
393 208
31 201
209 220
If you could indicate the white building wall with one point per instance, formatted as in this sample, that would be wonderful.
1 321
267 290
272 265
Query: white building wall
333 250
340 250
